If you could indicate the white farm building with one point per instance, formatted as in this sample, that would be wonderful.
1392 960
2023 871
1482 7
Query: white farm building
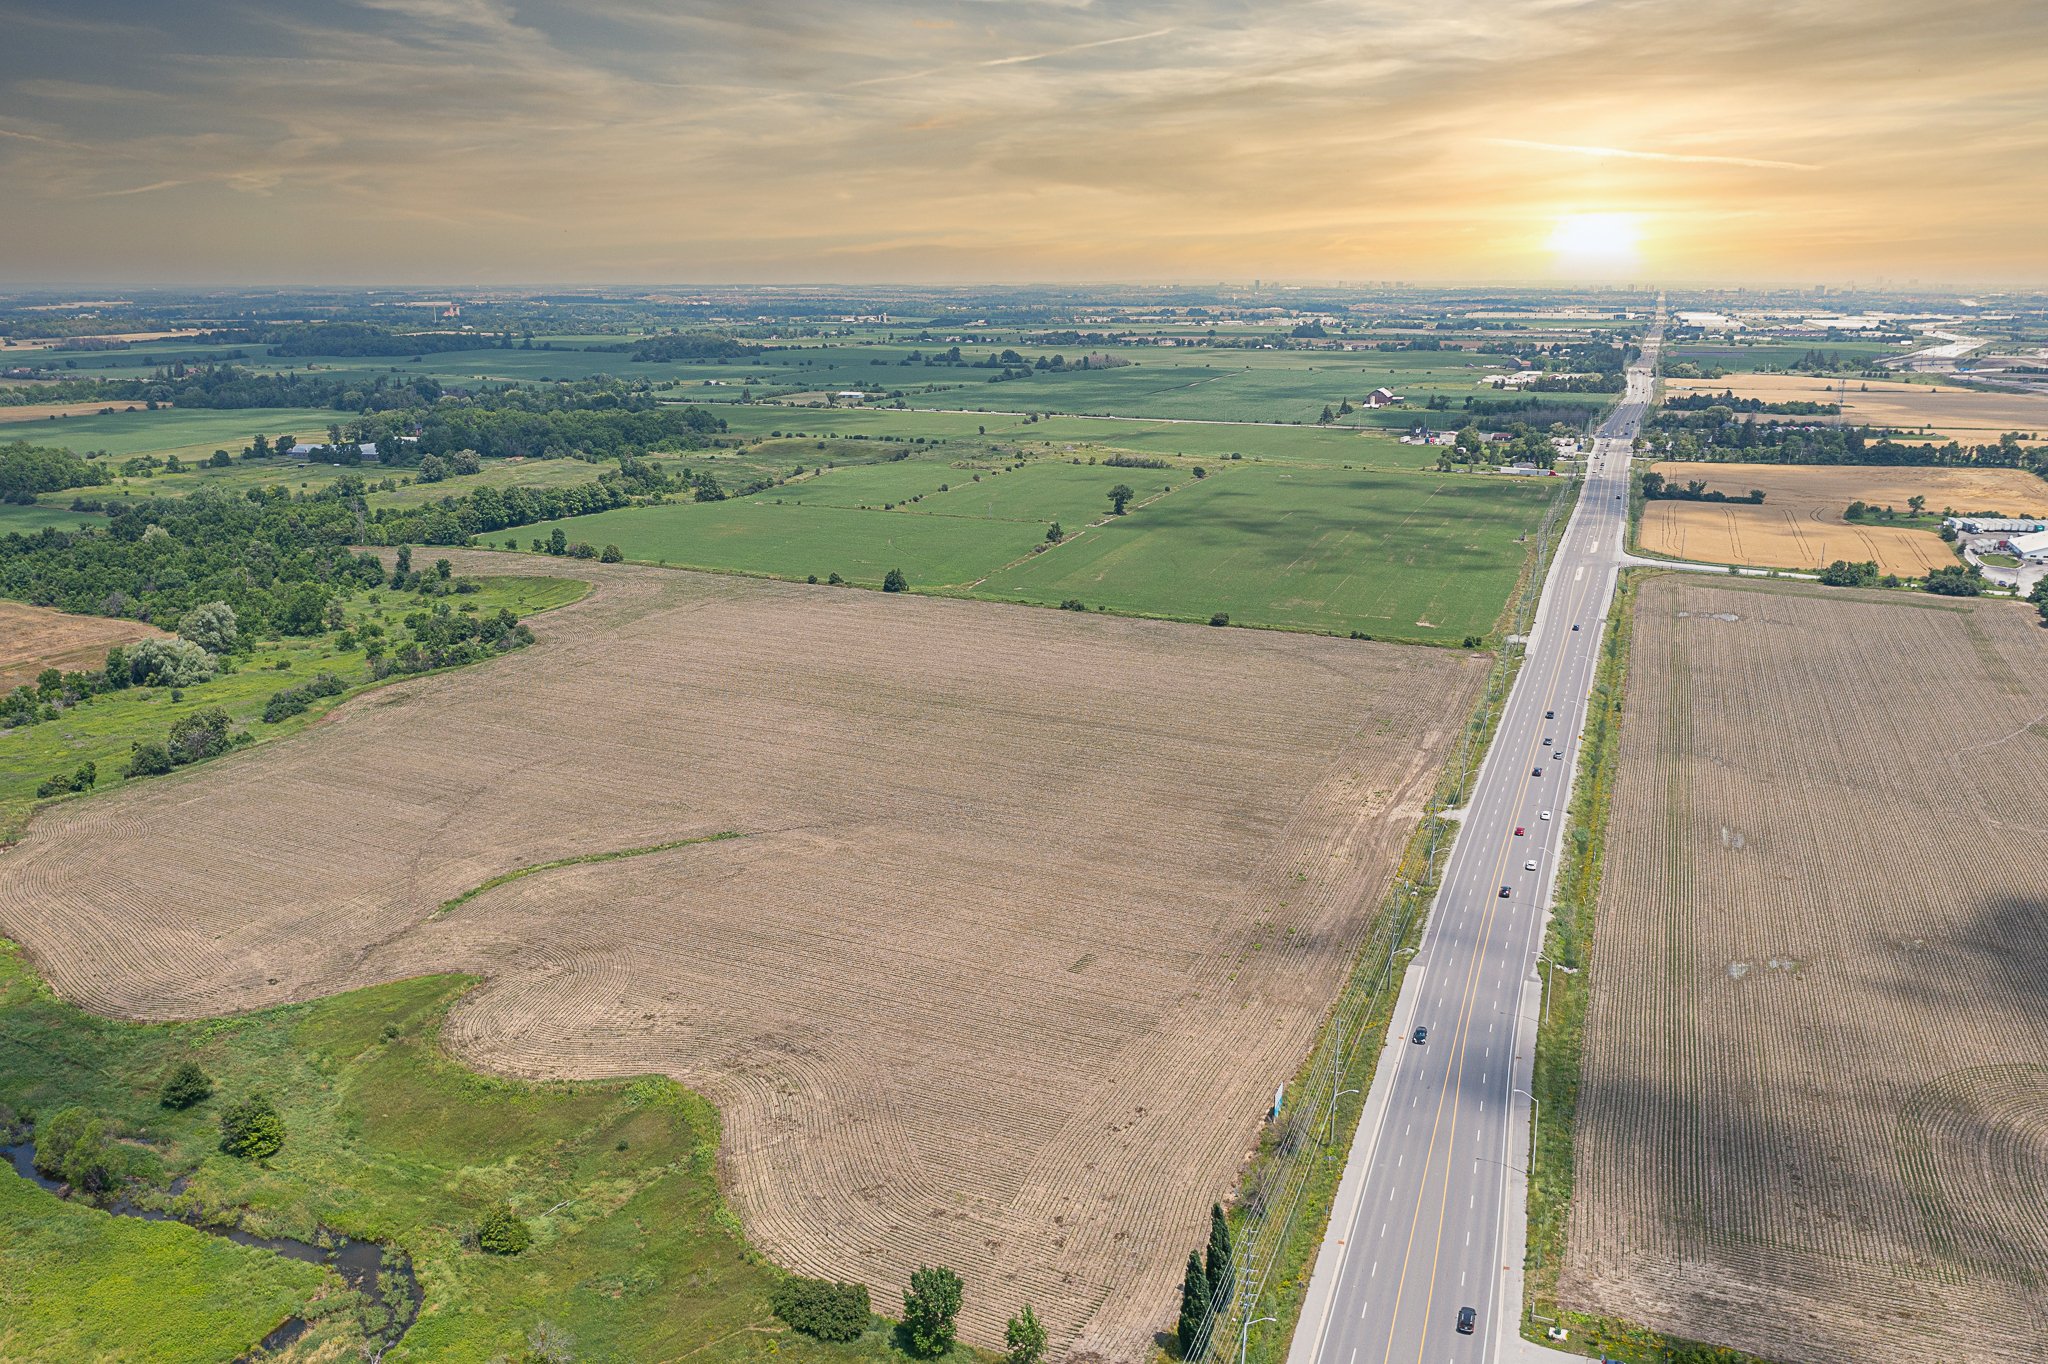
2032 547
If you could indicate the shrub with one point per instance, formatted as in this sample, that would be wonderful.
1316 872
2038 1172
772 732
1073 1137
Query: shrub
503 1232
72 1145
252 1129
200 735
168 663
211 626
610 555
929 1309
148 760
186 1085
292 701
894 581
822 1308
1220 618
1073 604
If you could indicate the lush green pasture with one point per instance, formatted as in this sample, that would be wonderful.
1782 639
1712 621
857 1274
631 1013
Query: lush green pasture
102 729
1737 358
84 1285
1307 443
37 515
389 1139
783 539
1397 556
189 432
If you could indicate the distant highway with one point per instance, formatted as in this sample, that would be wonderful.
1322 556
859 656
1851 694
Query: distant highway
1427 1221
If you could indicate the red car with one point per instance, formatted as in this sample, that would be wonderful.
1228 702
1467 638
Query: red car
1519 831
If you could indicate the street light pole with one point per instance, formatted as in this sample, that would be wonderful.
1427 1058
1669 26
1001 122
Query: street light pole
1535 1118
1244 1336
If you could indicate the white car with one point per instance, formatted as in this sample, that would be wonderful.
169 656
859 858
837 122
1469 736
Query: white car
1544 815
1528 866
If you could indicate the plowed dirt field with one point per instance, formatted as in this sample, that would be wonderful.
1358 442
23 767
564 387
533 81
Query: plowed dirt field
1028 913
1814 1114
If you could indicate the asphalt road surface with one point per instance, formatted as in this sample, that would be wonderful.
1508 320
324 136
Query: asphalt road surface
1417 1233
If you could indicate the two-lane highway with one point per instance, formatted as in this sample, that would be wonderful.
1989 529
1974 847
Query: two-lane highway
1416 1236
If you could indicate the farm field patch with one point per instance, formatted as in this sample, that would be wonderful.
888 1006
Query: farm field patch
103 729
33 638
191 433
1402 556
1813 1110
1005 883
1800 524
1971 416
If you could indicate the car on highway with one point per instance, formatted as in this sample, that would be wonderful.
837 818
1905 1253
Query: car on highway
1550 715
1520 830
1505 892
1468 1321
1544 815
1557 756
1537 773
1420 1036
1528 866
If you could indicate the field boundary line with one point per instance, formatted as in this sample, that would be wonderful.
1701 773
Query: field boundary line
579 860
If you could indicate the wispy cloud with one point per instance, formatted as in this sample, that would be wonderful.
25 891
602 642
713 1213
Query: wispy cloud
1630 154
1077 47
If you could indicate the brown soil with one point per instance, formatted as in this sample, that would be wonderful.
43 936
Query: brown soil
1814 1114
1031 912
33 638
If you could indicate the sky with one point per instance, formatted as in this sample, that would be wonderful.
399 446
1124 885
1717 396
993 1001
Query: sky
871 141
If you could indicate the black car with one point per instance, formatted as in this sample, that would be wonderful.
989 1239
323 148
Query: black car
1468 1320
1505 892
1575 629
1537 773
1550 715
1421 1035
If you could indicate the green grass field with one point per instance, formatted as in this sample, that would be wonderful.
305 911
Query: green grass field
388 1139
37 515
84 1285
103 728
190 433
1397 556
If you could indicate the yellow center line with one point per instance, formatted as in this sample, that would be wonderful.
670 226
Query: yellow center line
1457 1056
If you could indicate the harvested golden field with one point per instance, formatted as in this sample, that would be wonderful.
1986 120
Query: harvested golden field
1800 524
1968 415
1814 1114
33 638
35 412
1008 886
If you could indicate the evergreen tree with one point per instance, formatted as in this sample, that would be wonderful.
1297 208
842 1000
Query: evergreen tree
1194 1303
1219 1255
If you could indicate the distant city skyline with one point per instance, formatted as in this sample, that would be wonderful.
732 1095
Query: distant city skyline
490 142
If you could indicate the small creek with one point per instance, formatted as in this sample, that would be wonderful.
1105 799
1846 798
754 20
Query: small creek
384 1277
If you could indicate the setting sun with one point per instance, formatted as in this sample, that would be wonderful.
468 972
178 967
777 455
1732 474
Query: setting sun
1596 243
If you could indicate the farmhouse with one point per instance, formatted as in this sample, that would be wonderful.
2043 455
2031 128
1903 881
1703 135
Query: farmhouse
2031 546
1382 397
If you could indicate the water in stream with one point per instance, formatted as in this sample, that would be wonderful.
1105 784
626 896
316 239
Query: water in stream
365 1266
